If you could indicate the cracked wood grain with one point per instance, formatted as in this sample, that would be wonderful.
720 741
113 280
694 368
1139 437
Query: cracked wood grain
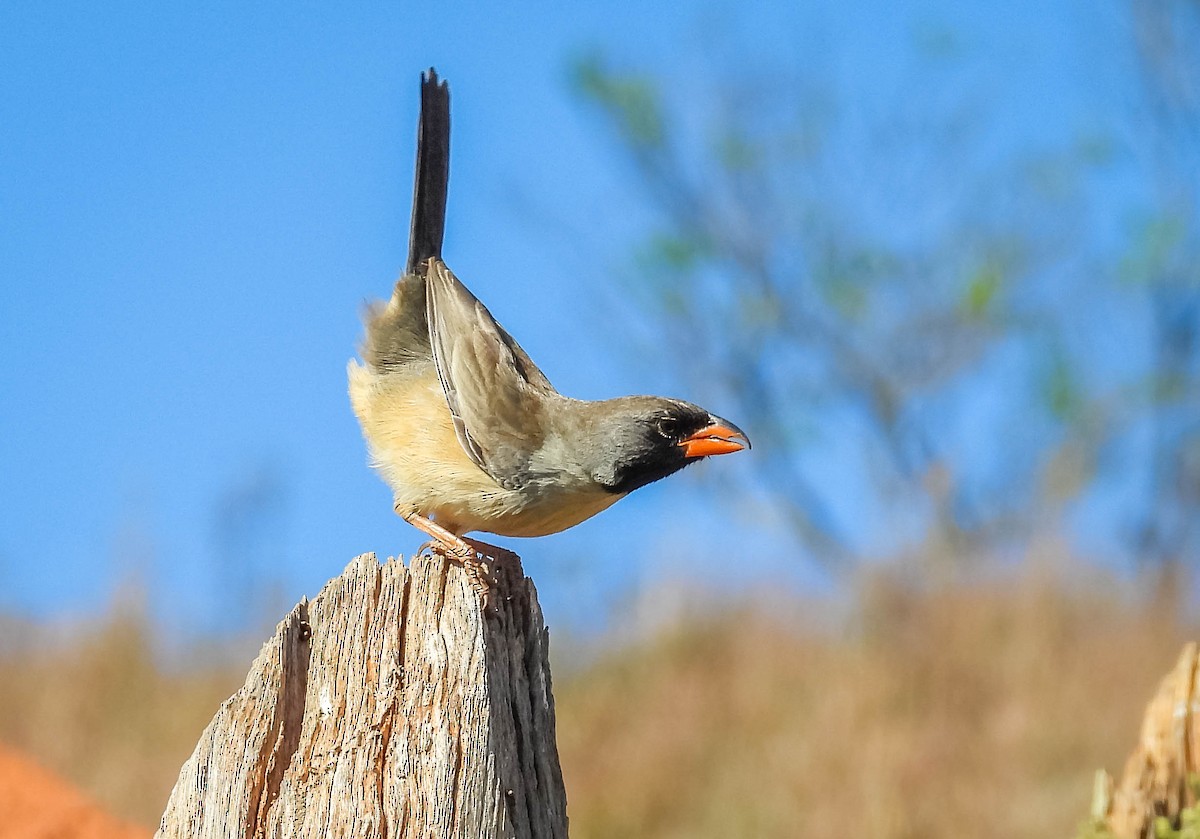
1160 774
388 706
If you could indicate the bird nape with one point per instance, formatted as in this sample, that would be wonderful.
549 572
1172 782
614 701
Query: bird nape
464 427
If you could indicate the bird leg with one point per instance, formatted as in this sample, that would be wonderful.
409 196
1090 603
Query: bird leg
455 548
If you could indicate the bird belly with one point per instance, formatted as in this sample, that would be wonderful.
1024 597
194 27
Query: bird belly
550 513
409 432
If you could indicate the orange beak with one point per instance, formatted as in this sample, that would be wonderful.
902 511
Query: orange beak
721 437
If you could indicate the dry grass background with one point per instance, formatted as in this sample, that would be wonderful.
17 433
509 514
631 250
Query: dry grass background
975 708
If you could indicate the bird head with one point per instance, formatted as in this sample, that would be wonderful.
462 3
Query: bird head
637 440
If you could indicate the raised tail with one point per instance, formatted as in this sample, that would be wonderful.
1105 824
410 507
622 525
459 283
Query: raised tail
433 172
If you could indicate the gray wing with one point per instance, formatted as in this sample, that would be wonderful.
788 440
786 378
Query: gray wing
495 392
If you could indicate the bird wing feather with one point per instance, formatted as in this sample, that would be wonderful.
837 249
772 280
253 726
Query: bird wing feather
496 394
495 391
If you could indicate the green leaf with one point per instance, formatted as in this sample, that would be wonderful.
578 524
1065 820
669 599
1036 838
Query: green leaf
672 252
847 297
1153 249
981 290
631 101
1061 390
736 153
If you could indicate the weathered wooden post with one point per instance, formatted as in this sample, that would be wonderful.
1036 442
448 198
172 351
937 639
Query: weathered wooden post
1160 776
392 706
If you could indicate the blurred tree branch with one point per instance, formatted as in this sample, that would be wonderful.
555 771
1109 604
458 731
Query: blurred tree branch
802 314
1165 261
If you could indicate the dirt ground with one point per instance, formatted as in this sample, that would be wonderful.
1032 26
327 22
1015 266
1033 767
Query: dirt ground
34 804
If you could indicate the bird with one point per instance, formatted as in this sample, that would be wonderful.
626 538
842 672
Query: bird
462 425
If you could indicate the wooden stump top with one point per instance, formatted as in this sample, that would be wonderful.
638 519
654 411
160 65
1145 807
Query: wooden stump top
390 705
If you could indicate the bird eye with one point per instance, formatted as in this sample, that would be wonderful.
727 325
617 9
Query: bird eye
668 426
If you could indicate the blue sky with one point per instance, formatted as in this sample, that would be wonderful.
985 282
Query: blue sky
195 202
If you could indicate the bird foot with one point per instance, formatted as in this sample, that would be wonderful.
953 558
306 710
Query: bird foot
493 552
479 572
480 560
504 566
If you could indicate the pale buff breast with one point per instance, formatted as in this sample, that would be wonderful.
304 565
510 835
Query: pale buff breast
411 438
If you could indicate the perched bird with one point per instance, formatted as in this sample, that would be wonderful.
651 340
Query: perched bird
467 431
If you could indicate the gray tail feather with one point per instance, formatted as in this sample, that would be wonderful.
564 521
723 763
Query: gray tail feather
433 172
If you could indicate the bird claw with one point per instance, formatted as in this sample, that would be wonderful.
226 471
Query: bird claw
475 563
479 559
495 553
